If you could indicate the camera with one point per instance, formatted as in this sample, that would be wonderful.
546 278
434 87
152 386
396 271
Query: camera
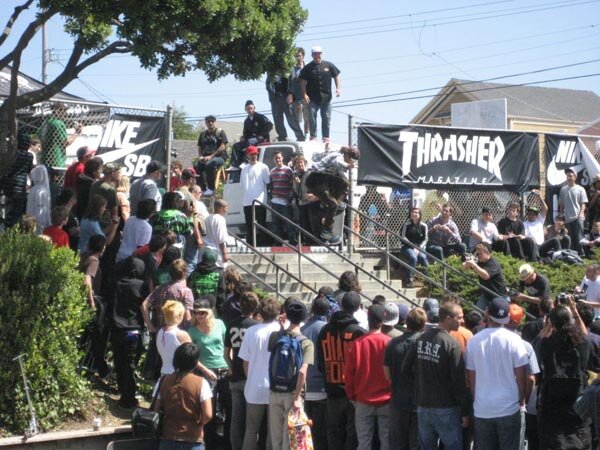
468 257
563 297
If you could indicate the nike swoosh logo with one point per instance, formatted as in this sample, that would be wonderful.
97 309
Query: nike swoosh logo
556 176
119 153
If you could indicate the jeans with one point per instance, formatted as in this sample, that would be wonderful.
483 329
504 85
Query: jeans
549 246
316 410
500 433
280 227
255 415
261 218
441 251
210 168
412 259
191 253
366 417
238 414
341 432
440 423
404 430
325 108
279 108
575 229
167 444
330 189
279 405
127 349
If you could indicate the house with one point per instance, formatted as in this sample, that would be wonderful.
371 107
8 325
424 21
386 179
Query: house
529 108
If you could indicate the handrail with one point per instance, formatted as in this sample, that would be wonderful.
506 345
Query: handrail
444 264
277 266
318 240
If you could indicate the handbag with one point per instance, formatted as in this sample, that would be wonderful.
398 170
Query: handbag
145 422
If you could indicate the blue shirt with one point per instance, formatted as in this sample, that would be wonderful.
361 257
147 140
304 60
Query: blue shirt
87 229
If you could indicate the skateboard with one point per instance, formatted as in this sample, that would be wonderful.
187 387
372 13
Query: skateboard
299 430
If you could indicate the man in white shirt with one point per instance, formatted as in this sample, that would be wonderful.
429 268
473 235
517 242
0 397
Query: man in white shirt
534 229
483 229
147 187
255 177
216 231
572 202
497 363
255 354
592 293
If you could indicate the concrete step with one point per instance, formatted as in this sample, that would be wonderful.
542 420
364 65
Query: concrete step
314 275
309 268
281 258
367 286
307 296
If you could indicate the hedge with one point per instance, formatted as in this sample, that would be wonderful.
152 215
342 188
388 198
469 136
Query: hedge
42 313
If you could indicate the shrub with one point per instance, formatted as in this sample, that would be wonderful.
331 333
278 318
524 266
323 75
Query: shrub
42 313
562 277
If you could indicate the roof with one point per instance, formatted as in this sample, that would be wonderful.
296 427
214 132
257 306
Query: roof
28 84
522 101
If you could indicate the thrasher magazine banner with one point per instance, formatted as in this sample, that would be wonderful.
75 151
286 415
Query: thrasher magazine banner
424 157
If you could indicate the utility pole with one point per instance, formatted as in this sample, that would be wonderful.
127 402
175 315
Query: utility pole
44 54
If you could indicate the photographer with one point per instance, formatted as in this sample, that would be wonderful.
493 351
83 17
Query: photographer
533 288
489 272
591 288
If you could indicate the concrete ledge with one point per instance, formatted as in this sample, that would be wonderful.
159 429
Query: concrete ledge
81 439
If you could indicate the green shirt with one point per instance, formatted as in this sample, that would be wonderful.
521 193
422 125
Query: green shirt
53 134
211 346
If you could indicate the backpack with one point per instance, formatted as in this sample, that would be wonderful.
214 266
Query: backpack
568 257
565 383
285 362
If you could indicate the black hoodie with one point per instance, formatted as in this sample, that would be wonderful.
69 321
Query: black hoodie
332 347
130 292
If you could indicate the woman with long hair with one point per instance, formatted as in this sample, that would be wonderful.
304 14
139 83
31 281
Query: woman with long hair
348 282
415 232
564 354
208 334
90 224
123 198
184 398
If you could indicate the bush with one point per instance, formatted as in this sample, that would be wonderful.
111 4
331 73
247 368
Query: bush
42 313
562 277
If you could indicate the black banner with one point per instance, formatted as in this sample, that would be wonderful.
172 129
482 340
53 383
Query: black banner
133 141
442 157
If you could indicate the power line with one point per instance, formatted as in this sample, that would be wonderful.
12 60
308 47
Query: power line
335 24
507 86
451 22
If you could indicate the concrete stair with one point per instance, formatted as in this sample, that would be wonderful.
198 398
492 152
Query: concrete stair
314 276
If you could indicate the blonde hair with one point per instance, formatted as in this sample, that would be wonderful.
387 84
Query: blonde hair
172 312
123 185
210 319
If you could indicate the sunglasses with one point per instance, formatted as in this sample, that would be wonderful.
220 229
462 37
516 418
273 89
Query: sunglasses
200 313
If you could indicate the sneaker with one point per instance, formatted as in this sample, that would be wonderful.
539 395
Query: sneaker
208 192
335 240
326 235
232 169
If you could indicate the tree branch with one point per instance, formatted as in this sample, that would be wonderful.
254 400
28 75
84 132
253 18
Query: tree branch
26 37
12 19
70 72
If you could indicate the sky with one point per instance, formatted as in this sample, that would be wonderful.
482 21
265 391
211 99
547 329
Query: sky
392 50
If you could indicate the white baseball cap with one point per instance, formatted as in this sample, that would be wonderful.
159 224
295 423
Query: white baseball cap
316 49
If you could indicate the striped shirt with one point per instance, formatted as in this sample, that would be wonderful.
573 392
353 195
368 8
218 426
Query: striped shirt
281 185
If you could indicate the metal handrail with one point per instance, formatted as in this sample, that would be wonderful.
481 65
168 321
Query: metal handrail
319 241
277 267
444 264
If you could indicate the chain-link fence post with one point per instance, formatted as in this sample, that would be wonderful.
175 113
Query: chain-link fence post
350 188
168 143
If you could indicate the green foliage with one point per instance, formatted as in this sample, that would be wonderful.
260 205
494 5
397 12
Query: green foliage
181 128
42 313
562 277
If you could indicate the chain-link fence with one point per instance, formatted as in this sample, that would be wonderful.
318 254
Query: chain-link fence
62 127
391 206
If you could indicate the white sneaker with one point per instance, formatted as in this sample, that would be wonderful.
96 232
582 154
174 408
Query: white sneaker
208 192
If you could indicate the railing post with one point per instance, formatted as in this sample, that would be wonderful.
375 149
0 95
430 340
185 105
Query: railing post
277 281
387 255
254 225
444 276
350 189
299 254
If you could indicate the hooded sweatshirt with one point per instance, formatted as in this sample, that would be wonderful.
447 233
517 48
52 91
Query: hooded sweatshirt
38 200
130 292
333 344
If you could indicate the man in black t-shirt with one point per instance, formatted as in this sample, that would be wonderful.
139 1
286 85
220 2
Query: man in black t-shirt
316 79
212 152
533 288
511 236
256 131
490 275
233 341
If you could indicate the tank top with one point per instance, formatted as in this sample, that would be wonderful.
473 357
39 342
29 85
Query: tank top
166 344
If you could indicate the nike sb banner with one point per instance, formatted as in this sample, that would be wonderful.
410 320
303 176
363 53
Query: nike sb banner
133 141
561 152
439 157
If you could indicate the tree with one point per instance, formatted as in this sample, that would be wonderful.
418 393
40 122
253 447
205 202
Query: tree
244 38
182 129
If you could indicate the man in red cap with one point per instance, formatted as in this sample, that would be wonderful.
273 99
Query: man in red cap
254 178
